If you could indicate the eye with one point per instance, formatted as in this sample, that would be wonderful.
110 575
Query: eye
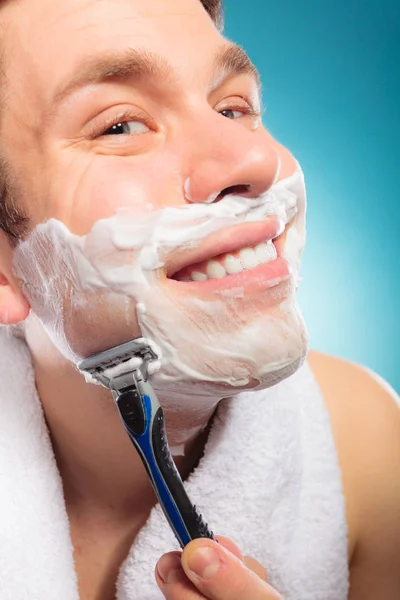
126 128
231 113
237 107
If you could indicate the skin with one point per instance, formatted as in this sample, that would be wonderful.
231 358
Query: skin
78 177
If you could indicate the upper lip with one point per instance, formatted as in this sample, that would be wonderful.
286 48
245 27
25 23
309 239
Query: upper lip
228 239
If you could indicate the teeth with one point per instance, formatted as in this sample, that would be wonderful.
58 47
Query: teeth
215 270
247 259
265 253
232 265
197 276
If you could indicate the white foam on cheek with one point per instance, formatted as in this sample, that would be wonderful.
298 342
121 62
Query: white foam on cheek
296 236
133 364
206 345
211 198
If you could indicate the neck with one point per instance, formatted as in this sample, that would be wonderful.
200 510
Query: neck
99 466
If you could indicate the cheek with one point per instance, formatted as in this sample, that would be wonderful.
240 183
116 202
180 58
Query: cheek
288 165
111 183
94 322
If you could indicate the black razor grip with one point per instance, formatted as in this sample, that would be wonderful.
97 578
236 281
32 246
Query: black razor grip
195 525
131 410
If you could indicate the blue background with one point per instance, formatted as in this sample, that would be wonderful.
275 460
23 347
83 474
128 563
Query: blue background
331 86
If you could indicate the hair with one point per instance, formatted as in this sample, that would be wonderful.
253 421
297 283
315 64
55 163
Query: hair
214 9
12 218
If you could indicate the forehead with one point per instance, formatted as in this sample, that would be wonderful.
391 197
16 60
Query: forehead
44 39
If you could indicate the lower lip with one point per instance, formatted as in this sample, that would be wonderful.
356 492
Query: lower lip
258 279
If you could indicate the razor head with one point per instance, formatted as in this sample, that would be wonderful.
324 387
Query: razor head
119 362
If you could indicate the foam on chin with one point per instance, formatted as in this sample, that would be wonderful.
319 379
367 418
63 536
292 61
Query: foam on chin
224 345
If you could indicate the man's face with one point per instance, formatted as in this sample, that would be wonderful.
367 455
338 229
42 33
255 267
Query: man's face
144 106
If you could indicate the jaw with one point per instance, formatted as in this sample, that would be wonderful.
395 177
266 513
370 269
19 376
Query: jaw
213 350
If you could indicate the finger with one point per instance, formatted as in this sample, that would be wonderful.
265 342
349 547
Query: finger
255 566
250 562
229 545
219 575
171 577
172 580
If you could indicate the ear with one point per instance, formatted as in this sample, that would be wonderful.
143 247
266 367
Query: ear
14 307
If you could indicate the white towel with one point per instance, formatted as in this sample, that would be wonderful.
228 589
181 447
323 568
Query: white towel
269 479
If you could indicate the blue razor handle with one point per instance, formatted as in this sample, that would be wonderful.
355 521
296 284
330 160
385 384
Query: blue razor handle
143 420
144 424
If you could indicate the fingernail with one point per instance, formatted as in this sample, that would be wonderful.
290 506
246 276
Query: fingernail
204 562
169 568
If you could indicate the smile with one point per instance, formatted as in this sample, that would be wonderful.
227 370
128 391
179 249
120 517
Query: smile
261 263
233 263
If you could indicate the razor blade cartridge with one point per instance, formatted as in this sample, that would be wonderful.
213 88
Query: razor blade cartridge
100 366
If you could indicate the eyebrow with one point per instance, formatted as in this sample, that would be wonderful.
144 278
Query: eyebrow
233 60
229 60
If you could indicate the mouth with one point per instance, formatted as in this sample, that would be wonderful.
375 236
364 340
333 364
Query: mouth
245 255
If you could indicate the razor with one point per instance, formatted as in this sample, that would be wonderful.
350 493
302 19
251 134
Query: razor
143 420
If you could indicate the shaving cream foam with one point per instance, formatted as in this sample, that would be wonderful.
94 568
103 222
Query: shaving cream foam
95 291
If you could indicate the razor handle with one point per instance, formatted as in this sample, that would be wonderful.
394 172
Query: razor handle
143 420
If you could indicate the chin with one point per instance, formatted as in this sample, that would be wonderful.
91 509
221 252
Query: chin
220 364
287 366
280 373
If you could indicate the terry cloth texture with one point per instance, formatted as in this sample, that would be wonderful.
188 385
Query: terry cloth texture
269 479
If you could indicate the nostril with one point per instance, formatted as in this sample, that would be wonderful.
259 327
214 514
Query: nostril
237 190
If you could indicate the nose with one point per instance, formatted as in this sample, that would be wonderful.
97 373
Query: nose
229 158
